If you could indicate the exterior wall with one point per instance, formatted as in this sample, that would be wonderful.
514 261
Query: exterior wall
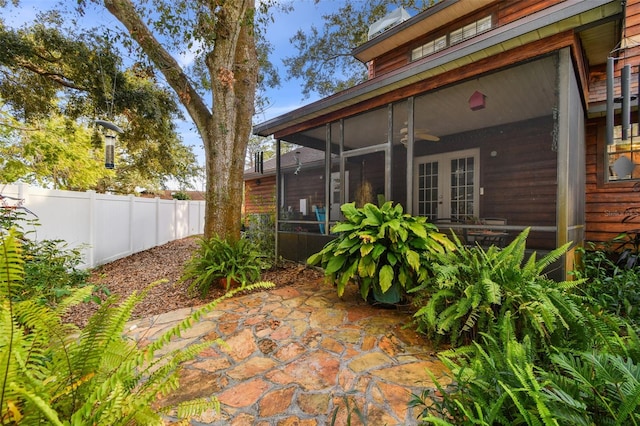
607 203
504 12
260 195
523 192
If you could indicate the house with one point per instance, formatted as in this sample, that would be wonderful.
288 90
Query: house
478 109
260 185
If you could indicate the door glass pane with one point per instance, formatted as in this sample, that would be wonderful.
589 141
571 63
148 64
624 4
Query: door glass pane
462 190
428 190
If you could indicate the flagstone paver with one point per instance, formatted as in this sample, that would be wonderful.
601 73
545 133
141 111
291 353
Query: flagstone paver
298 356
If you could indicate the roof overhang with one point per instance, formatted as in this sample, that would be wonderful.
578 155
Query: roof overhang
568 15
436 16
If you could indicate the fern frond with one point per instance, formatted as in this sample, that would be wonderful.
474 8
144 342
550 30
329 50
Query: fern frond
196 407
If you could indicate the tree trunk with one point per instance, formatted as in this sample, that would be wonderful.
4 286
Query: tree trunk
233 65
225 129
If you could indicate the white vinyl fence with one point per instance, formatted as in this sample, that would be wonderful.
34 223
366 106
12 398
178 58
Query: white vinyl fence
107 227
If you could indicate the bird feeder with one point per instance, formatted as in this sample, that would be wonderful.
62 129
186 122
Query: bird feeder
110 142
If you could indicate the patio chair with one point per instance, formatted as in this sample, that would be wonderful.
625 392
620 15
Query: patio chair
497 237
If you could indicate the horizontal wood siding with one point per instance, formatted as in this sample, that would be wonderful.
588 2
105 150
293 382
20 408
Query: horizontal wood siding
513 10
520 182
401 56
504 12
607 203
260 197
307 184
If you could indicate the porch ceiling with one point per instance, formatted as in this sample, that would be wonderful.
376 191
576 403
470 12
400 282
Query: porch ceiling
520 93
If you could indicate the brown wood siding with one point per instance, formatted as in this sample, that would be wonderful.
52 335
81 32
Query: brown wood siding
260 197
504 12
520 182
606 202
401 56
513 10
307 184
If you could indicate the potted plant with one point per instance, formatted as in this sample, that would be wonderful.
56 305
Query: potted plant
223 262
382 249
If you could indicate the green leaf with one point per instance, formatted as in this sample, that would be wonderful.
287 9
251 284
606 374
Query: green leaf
413 258
386 278
335 264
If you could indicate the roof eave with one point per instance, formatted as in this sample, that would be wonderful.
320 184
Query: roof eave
438 63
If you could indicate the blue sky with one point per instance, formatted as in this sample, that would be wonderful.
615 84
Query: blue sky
283 99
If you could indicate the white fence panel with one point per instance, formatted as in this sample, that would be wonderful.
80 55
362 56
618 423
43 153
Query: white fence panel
107 227
111 228
144 224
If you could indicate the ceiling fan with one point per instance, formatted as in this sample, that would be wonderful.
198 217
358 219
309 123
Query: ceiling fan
418 135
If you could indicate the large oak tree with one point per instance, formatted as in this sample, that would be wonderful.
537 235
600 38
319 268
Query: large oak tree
221 32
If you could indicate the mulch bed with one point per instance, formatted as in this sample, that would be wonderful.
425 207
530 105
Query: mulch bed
163 265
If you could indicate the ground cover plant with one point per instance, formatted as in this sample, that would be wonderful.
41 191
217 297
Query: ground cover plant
224 261
473 290
613 281
55 373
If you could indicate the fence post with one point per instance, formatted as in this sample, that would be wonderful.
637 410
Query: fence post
157 221
92 228
131 219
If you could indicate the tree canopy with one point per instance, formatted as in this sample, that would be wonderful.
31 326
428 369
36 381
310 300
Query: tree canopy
323 58
64 79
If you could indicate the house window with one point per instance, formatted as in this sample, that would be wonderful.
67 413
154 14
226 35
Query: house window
623 156
456 36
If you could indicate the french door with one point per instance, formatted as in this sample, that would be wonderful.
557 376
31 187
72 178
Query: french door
447 185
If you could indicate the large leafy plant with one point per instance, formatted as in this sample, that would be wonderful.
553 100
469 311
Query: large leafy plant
472 289
54 373
384 250
219 259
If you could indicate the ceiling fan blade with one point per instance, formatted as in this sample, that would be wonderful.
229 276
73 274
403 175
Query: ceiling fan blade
426 137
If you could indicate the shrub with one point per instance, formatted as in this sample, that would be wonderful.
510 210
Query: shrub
53 373
610 285
501 380
51 269
472 289
218 258
384 250
261 231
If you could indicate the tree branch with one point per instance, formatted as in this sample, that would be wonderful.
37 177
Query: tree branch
58 78
125 12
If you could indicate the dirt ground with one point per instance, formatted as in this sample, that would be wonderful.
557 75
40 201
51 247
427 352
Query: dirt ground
166 263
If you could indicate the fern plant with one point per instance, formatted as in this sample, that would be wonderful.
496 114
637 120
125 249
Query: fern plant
51 372
219 259
384 250
473 288
500 380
